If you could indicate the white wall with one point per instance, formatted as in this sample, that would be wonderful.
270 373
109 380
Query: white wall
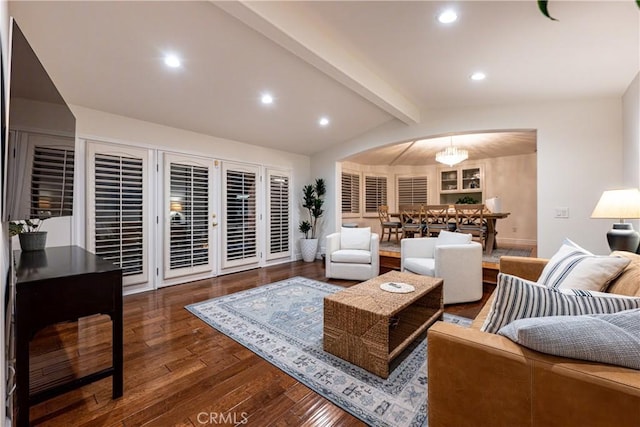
579 155
631 138
631 134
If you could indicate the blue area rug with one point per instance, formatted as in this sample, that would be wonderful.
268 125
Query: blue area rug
282 323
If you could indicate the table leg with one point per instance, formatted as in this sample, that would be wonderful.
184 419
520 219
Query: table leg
22 373
118 350
491 243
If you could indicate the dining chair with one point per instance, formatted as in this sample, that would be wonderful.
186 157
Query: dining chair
470 219
387 224
411 219
436 219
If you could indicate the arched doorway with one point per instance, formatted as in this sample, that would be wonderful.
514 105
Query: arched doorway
501 164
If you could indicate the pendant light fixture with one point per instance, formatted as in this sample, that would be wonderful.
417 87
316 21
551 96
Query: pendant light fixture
452 155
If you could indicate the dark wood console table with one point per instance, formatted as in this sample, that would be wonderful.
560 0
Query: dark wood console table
56 285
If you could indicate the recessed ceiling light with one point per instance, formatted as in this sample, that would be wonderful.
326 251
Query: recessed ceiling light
478 75
448 16
172 61
266 98
323 121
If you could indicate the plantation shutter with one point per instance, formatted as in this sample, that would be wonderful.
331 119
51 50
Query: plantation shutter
187 228
117 215
52 182
375 193
412 190
350 193
240 238
279 218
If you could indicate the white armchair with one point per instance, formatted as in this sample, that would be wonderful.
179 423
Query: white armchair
353 254
450 256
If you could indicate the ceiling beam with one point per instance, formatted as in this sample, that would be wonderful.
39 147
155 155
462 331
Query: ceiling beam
305 39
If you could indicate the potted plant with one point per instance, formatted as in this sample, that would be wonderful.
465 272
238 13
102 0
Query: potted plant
313 199
28 231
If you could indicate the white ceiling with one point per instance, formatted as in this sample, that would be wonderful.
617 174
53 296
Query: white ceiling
361 63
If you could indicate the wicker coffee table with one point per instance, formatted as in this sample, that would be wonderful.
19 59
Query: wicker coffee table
370 327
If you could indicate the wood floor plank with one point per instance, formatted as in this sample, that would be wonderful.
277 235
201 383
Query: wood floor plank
177 366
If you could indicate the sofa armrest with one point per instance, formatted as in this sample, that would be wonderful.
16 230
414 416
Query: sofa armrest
332 245
375 254
493 381
524 267
476 376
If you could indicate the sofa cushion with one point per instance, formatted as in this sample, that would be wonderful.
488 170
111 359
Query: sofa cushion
451 238
355 238
576 268
423 266
351 256
516 298
628 282
607 338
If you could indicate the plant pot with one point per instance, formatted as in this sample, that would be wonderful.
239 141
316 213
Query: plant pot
308 248
35 241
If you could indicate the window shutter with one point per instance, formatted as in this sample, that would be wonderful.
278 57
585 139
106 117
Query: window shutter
240 233
119 211
412 190
188 218
350 193
52 182
375 193
279 232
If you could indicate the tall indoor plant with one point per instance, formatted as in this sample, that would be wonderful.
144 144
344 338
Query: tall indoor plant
312 201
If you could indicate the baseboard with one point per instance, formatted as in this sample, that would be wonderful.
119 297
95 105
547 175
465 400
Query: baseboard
509 241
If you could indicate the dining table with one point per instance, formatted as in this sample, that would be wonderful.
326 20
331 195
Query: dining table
491 219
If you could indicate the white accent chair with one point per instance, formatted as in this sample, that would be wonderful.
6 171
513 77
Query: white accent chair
450 256
353 254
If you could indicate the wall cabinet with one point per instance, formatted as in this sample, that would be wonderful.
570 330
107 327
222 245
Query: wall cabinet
460 181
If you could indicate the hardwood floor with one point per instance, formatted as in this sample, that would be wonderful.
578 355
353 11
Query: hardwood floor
179 370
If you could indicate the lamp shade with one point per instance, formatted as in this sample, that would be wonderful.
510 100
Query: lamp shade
622 204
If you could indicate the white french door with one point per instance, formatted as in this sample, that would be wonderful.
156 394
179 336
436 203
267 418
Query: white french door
239 215
188 218
118 208
278 214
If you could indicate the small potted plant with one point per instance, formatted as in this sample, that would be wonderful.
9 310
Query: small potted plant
313 200
28 231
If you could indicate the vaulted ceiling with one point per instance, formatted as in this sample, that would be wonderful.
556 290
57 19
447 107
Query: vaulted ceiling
359 63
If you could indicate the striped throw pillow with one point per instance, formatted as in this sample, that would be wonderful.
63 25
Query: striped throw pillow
575 268
518 298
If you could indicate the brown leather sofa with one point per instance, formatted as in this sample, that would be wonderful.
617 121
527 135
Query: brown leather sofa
480 379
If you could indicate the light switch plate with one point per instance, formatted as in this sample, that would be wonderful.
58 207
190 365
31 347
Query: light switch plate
562 212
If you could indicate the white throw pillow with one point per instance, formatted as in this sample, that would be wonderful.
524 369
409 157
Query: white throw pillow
573 267
355 238
517 298
451 238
